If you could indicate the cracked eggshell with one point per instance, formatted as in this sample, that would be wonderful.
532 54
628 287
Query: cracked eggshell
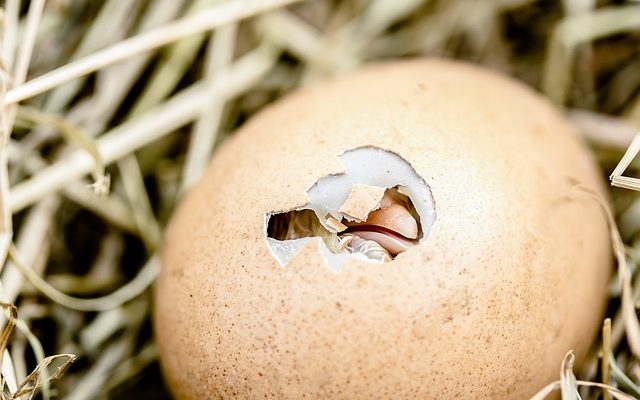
511 277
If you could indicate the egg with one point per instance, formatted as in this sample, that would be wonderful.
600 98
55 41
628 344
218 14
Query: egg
413 230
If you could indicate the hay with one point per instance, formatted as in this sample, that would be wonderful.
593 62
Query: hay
135 96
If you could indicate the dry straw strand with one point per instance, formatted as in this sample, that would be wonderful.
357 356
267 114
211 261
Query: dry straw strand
568 384
9 42
226 13
219 56
8 374
320 38
134 134
606 349
621 378
7 116
110 26
630 318
577 29
172 66
137 285
26 46
75 135
603 130
616 177
552 387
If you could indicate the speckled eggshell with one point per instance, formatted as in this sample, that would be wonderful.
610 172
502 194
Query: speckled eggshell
512 275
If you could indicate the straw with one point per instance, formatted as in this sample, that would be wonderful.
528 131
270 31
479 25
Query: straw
119 108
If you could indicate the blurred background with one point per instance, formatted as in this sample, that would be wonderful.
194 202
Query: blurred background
96 159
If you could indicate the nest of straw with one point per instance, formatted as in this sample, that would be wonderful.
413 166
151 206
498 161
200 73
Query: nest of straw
111 110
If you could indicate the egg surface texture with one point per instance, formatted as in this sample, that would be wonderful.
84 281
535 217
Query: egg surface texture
414 230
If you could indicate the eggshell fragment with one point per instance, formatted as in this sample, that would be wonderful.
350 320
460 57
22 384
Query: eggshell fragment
511 276
335 224
362 200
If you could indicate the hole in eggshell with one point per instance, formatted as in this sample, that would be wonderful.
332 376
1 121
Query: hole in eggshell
391 227
378 208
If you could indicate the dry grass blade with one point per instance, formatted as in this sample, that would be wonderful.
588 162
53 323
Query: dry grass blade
113 145
379 15
621 378
9 381
616 177
10 32
173 65
568 386
604 130
113 83
226 13
35 379
615 392
7 378
8 112
108 323
110 26
74 135
546 391
157 122
102 275
26 46
626 182
553 386
6 228
135 85
111 208
135 287
93 380
606 349
33 242
632 325
22 63
133 366
578 29
634 111
38 352
8 327
219 56
141 209
287 30
6 221
578 6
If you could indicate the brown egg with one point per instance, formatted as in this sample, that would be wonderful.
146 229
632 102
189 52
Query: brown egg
413 230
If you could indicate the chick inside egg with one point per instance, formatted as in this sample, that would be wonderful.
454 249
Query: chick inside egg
378 208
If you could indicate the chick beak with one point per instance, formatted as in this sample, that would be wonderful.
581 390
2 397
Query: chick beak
392 226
